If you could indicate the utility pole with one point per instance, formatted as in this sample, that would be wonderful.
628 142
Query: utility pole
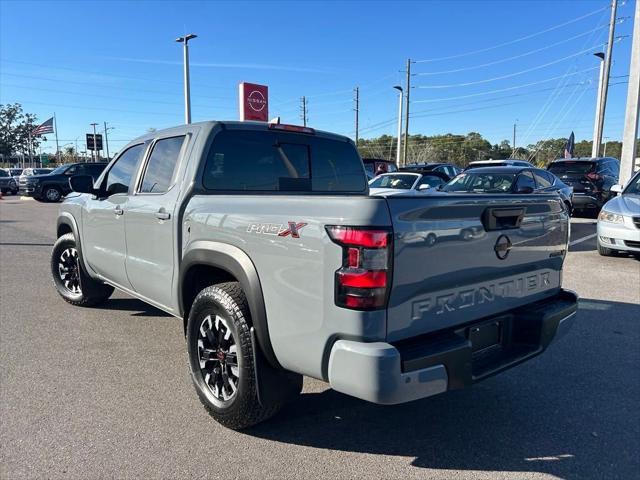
303 110
406 120
399 148
106 138
607 72
630 135
187 92
515 126
595 147
95 143
357 109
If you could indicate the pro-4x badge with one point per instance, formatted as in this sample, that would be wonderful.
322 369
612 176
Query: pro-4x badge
279 229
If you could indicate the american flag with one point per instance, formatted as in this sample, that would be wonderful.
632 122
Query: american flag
570 146
46 127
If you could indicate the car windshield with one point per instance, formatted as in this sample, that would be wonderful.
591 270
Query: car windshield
563 168
634 186
396 181
16 171
481 183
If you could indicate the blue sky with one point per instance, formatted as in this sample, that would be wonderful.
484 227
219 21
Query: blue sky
118 62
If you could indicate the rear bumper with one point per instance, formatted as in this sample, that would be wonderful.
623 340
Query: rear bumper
431 364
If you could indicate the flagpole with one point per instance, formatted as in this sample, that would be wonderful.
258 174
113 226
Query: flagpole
55 127
30 148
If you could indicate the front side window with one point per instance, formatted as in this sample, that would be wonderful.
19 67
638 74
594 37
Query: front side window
162 162
119 176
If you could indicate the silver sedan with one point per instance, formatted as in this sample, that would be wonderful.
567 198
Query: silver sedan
619 220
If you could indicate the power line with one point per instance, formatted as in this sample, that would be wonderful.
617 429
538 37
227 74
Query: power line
506 89
509 75
511 42
515 57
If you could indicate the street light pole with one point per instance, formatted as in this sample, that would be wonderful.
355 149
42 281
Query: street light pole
399 148
187 92
94 154
606 73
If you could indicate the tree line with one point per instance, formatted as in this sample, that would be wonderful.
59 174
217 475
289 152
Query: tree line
463 149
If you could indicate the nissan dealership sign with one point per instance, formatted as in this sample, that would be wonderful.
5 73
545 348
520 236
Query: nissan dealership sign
254 102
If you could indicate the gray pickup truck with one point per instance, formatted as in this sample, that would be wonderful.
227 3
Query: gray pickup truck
264 240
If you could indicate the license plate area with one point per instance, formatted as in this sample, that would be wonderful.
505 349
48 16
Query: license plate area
488 335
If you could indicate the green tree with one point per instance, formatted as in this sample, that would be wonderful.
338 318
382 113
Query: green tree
15 129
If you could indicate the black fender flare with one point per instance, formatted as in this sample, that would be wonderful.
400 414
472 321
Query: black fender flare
236 262
65 218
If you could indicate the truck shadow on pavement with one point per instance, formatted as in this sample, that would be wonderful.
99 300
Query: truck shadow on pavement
135 307
571 412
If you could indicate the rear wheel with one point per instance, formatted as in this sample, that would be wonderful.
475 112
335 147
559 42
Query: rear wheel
221 357
51 194
70 279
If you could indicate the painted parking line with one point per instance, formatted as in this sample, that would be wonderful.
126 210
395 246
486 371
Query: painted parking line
26 198
583 239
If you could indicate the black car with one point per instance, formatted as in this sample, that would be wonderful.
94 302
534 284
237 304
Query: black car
591 179
55 185
7 183
510 180
445 168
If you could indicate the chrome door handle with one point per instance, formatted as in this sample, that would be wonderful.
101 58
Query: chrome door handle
160 215
118 211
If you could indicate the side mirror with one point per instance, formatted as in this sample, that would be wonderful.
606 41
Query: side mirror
617 188
82 184
526 189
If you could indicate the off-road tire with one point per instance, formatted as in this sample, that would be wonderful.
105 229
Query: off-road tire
604 251
244 409
90 292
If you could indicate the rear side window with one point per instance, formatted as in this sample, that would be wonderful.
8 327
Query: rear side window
542 179
119 177
257 161
162 162
525 179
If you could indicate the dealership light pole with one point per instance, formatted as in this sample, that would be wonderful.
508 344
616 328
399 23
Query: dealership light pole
187 93
406 113
399 148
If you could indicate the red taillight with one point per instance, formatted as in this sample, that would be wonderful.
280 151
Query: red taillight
358 237
292 128
363 281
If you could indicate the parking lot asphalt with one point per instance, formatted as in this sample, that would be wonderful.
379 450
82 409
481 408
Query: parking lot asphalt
106 393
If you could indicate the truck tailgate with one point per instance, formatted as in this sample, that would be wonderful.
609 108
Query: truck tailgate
459 258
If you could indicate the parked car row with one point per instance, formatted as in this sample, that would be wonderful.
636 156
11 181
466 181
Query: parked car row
46 184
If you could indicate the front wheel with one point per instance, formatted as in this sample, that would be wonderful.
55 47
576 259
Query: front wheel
70 279
221 357
604 251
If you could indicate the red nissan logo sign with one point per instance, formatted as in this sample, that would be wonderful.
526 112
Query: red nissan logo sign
254 102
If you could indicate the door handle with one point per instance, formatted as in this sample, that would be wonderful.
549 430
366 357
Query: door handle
118 211
162 215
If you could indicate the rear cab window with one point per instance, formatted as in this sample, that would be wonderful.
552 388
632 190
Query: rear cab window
576 167
247 161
